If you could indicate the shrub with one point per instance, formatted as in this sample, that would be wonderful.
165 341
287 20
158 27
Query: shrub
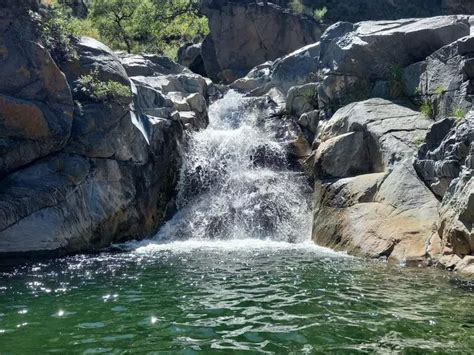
427 109
109 91
397 87
55 32
297 7
459 114
419 141
440 91
319 14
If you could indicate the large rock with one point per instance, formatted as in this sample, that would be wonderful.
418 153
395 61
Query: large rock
244 35
446 164
190 56
35 100
448 79
297 68
93 55
149 65
368 198
106 174
346 50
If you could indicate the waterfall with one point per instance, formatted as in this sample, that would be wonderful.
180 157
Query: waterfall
235 181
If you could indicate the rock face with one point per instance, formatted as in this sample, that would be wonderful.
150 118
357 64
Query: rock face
364 174
35 101
190 56
77 177
445 163
244 35
448 78
390 181
347 48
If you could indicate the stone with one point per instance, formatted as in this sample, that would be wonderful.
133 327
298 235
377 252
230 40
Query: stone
448 78
343 156
149 65
95 56
302 99
36 105
244 35
346 49
189 55
363 174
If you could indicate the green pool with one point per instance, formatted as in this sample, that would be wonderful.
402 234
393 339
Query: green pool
243 296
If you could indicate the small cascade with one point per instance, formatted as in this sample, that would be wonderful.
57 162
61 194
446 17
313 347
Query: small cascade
236 182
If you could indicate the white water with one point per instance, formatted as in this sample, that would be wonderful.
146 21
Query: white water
235 184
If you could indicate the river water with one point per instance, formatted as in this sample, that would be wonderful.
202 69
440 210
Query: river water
233 272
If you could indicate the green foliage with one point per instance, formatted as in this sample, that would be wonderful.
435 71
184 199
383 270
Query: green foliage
397 87
459 114
109 91
148 25
319 14
56 33
297 7
427 109
419 141
440 91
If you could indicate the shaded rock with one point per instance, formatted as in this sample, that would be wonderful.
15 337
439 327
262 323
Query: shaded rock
95 56
190 56
35 102
302 99
343 156
244 35
445 154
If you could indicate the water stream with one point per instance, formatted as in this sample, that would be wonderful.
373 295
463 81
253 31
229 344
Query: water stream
233 272
235 182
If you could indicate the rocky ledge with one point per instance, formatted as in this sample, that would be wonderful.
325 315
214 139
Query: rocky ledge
387 136
80 172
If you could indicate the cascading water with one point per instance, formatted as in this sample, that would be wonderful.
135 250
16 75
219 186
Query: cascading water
235 181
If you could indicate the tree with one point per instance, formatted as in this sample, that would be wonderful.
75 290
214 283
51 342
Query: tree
148 25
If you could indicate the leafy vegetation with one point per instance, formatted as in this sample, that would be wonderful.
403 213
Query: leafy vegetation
419 141
319 14
440 91
397 87
110 91
459 114
299 8
158 26
148 25
427 109
56 33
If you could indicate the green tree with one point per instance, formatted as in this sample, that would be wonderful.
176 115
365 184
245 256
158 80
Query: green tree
147 25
